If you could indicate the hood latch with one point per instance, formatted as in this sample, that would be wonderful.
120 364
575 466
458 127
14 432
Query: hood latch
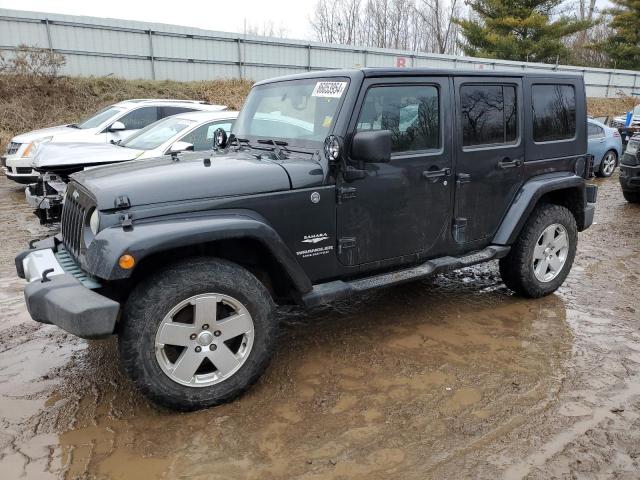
126 221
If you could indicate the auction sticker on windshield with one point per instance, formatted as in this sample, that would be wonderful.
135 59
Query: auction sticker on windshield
329 89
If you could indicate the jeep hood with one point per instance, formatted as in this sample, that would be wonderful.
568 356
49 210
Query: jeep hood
192 177
79 154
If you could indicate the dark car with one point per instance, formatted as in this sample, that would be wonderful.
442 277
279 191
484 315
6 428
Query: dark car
331 183
630 170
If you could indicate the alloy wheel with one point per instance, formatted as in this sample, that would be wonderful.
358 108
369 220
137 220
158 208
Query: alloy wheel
550 252
204 339
608 163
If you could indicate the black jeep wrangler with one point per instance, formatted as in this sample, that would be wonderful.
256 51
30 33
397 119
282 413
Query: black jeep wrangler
331 183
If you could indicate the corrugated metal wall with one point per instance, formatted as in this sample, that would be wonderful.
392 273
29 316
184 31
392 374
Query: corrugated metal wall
138 50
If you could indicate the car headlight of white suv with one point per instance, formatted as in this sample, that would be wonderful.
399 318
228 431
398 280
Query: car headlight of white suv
32 148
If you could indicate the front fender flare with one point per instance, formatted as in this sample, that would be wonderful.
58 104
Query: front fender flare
151 237
527 198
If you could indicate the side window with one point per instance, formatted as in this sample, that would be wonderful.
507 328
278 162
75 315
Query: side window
489 114
595 131
554 112
202 137
140 118
412 113
168 111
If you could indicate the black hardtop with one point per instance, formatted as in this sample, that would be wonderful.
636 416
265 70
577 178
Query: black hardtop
380 72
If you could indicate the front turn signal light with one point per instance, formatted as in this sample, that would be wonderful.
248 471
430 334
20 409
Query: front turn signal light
126 262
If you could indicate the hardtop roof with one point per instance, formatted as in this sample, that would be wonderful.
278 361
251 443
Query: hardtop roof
377 72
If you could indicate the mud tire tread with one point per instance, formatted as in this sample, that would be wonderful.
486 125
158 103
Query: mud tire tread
516 269
158 293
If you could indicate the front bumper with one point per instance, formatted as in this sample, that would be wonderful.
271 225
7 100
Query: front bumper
630 177
64 296
18 169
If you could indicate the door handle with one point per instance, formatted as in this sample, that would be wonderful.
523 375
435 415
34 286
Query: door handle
506 162
435 174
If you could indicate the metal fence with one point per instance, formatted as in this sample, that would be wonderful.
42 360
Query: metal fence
138 50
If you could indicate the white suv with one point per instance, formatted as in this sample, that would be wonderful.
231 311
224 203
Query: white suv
112 123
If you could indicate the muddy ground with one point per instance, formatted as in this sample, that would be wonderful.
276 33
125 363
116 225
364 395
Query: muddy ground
453 377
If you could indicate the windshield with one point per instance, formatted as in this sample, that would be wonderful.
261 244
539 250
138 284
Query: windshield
99 118
154 135
300 112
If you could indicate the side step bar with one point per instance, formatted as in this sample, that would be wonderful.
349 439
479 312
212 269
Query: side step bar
328 292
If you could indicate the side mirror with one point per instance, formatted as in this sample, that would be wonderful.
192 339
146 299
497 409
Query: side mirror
179 147
220 138
117 127
372 147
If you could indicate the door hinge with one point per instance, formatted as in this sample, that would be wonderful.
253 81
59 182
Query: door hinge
463 178
345 193
346 243
459 229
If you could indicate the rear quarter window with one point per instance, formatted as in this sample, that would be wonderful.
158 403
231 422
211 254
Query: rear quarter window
554 112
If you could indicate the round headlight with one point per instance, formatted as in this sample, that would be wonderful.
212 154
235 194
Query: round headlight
94 222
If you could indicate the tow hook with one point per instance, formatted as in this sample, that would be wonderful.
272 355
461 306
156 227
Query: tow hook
44 275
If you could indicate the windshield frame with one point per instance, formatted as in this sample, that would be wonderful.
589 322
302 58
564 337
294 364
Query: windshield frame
294 142
118 112
192 124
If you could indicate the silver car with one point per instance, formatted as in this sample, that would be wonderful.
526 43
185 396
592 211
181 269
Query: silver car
112 123
191 131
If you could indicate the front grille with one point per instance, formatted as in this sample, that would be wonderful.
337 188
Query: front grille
13 148
76 205
23 170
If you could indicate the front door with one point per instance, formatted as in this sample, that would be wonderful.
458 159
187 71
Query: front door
490 154
402 207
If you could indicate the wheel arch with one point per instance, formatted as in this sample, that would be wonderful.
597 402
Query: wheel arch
245 239
567 190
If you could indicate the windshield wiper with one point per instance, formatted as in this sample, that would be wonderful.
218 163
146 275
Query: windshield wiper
276 146
73 125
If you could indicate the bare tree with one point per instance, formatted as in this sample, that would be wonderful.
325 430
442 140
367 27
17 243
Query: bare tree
418 25
439 16
268 29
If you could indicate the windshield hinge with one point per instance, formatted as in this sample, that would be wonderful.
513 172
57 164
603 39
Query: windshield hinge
126 221
345 193
122 201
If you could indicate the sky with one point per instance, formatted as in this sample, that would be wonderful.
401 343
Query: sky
222 15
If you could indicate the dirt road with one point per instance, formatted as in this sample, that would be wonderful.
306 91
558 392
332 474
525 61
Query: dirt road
448 378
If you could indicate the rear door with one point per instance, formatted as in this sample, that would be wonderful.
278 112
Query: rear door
404 206
490 154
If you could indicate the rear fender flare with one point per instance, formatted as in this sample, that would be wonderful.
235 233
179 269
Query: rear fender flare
527 198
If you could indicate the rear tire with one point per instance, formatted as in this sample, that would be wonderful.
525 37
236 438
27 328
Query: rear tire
608 164
631 197
197 334
541 258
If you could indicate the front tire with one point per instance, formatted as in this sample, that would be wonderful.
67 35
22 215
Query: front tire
197 334
541 258
608 164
